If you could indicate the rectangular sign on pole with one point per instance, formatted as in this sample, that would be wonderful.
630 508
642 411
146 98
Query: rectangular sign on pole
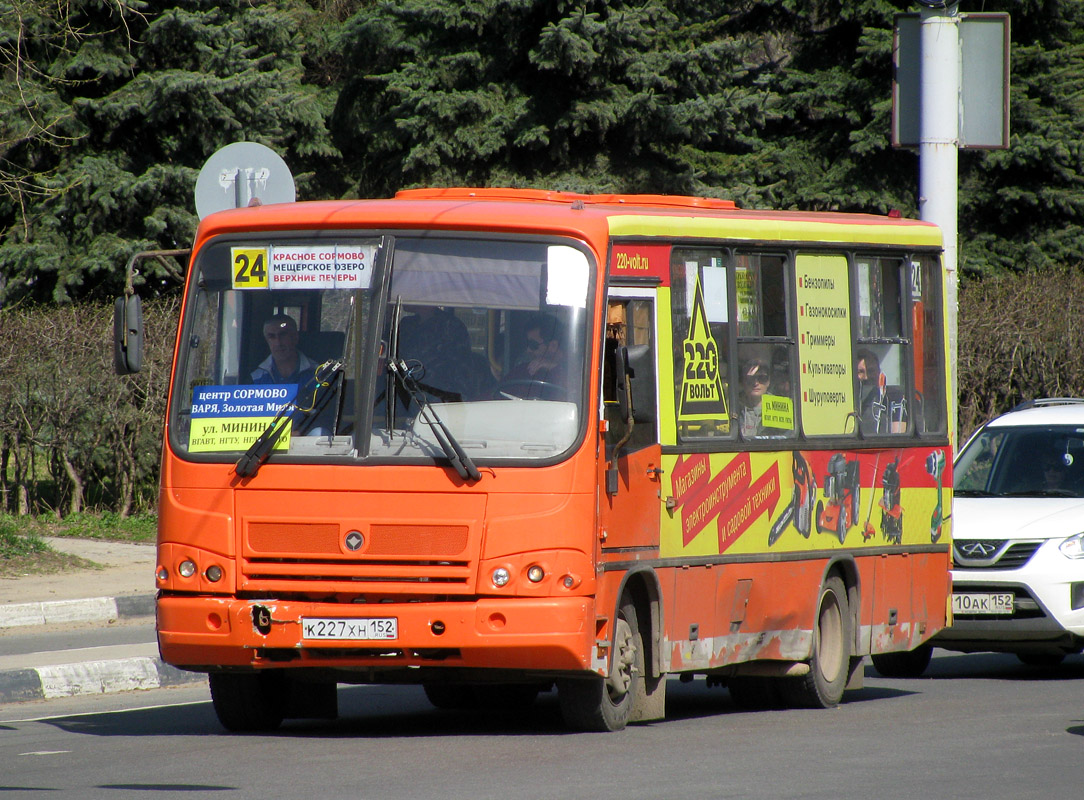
984 81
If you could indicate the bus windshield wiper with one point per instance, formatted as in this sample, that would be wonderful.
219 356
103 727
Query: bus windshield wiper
259 451
448 443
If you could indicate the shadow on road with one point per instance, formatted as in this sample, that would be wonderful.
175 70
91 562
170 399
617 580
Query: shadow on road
947 665
386 712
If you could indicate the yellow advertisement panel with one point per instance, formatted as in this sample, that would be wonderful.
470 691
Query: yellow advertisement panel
826 377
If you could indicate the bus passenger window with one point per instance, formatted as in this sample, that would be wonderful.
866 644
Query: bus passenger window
883 351
882 405
765 396
929 360
700 310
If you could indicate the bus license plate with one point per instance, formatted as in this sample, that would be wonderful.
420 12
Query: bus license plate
330 628
982 603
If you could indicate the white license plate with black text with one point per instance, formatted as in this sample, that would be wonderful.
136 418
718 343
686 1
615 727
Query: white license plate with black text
331 628
982 603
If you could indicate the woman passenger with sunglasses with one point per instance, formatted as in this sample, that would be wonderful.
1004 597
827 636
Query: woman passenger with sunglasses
756 380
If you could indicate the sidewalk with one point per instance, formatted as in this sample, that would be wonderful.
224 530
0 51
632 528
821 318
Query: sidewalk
122 588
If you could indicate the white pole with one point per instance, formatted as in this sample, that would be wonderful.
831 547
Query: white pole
939 139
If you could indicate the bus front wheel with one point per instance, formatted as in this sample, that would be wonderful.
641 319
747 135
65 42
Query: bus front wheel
605 704
829 665
249 702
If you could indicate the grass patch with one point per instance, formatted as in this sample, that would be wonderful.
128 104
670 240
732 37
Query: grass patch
141 528
48 562
19 540
24 551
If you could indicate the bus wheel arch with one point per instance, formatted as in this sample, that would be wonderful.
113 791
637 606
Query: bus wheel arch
635 688
833 648
597 703
642 587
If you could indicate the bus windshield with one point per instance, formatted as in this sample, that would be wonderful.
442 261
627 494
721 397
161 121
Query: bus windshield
488 337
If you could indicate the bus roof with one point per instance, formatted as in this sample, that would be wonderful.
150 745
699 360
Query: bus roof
542 211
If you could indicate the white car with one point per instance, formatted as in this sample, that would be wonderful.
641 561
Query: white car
1018 539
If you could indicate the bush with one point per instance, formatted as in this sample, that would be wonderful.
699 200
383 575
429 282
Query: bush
73 436
1020 337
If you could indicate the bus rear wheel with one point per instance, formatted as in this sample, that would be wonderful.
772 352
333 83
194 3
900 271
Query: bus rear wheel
829 665
249 702
605 704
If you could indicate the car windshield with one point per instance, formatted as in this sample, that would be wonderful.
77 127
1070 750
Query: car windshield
412 340
1022 462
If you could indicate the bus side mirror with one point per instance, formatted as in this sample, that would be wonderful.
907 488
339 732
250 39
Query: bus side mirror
637 363
127 335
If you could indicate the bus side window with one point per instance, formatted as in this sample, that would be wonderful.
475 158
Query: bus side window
700 315
883 351
929 396
765 406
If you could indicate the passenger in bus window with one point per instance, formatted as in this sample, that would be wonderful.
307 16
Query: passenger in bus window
285 364
288 365
882 408
756 380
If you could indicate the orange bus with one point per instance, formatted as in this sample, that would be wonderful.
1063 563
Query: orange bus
497 442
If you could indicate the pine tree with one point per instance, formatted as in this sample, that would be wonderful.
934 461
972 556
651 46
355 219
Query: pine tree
598 96
142 96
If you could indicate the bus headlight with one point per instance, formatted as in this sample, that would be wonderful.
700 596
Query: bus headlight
187 568
214 573
501 577
535 574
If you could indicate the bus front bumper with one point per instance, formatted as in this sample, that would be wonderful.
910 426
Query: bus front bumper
535 634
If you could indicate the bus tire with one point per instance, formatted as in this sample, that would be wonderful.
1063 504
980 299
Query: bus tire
829 664
250 702
605 704
904 664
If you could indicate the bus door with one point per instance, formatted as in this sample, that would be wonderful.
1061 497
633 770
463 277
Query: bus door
633 467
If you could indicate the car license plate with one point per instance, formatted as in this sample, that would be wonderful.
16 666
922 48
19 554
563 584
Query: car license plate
981 603
331 628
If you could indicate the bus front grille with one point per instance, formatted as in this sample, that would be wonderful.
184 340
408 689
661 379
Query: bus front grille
289 557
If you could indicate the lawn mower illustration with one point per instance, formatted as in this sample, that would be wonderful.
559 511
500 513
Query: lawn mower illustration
891 511
841 490
800 510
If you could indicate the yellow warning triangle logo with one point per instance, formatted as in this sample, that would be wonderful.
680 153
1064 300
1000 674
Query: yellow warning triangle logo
702 393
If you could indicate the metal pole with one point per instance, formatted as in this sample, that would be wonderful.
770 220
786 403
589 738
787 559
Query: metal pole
242 188
939 139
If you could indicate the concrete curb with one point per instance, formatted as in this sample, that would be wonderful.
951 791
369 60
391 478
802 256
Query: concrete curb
104 676
90 677
92 609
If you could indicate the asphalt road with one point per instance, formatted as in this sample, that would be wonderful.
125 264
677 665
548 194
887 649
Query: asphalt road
981 726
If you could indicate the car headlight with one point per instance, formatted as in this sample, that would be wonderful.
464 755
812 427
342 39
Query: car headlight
1073 547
